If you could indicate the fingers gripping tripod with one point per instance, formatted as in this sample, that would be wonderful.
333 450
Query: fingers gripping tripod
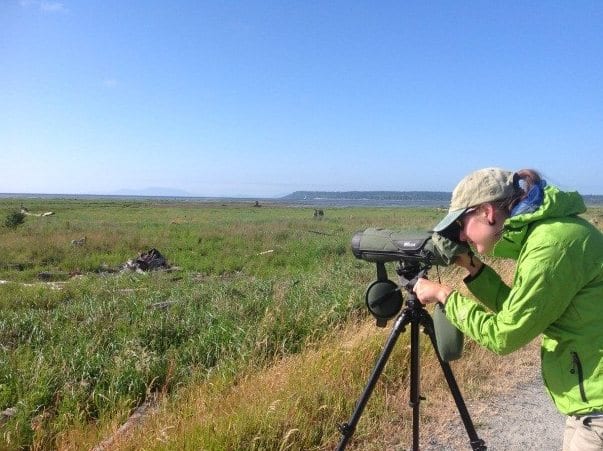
414 314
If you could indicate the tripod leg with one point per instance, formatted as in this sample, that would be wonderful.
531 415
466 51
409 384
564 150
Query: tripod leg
415 377
477 444
348 429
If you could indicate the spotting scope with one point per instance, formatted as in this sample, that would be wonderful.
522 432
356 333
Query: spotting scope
414 255
381 245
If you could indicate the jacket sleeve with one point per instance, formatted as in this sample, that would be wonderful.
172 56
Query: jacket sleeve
488 288
544 285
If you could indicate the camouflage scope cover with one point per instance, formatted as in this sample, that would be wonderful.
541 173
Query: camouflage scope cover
447 250
382 245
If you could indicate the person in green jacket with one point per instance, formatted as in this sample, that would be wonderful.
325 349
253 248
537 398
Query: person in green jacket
557 289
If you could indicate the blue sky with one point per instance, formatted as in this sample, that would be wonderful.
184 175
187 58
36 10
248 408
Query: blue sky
262 98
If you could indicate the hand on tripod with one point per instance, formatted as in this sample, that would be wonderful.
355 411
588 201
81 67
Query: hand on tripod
428 291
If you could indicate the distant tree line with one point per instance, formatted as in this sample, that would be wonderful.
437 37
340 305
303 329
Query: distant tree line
439 196
371 195
593 199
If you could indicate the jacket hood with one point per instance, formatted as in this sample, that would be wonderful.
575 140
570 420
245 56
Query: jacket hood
556 204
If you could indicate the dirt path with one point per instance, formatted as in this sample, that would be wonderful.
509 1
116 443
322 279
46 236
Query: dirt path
523 419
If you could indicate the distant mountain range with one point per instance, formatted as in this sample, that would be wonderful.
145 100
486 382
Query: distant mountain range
152 191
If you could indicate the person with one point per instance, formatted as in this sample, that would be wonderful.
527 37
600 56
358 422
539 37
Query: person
557 288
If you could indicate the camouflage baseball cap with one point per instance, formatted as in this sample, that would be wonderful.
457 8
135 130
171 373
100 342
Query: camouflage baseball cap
481 186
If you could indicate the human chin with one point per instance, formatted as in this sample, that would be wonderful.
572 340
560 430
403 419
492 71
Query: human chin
483 248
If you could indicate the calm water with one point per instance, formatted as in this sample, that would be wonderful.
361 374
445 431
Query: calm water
314 203
594 200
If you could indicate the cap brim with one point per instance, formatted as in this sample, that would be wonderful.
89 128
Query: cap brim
448 220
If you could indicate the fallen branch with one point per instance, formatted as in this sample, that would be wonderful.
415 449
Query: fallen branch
125 429
26 212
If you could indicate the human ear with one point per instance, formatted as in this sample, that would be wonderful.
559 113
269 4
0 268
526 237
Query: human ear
490 213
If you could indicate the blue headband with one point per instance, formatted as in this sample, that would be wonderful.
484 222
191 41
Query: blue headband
532 201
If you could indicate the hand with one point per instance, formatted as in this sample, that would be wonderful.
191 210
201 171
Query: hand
470 262
428 291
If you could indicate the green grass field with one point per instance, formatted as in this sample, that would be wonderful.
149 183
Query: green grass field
250 285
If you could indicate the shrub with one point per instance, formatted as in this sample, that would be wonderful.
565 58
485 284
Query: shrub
13 219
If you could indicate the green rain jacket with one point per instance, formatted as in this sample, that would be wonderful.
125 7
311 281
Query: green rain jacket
557 292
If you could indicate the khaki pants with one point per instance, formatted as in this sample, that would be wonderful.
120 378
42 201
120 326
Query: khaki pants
583 434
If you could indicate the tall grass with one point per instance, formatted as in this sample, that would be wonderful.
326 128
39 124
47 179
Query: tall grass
297 403
80 357
254 284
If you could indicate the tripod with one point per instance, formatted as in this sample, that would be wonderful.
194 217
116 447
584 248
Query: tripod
415 315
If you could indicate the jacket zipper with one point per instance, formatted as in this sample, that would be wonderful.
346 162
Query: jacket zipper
577 366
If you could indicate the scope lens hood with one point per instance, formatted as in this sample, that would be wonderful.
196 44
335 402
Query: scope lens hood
383 299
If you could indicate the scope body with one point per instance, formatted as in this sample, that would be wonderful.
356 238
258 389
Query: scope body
382 245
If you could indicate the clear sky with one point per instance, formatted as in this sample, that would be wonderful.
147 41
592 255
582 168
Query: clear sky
262 98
